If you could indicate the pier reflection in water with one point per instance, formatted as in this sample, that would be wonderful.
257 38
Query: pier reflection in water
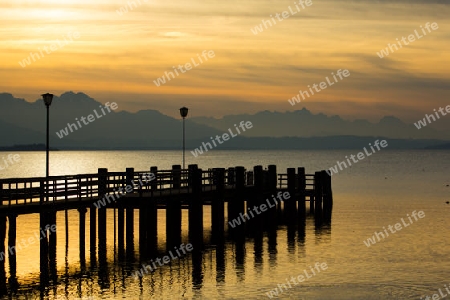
242 255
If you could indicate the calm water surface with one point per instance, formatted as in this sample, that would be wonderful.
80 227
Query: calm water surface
374 193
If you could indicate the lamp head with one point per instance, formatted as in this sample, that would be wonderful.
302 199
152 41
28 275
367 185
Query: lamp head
184 112
47 99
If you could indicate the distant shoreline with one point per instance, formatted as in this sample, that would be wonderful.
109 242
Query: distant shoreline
253 143
32 147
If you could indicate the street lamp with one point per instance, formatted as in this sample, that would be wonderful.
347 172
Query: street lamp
183 112
48 101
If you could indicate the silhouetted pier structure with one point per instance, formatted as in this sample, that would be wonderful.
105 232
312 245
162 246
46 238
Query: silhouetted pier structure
172 190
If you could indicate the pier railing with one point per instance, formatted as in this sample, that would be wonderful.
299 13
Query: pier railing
23 191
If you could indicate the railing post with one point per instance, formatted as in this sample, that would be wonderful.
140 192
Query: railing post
191 169
256 200
176 176
290 204
327 196
154 183
129 179
230 176
271 218
41 191
318 194
249 177
236 204
272 169
301 185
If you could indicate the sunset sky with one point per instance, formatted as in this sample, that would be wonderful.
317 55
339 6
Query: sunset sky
118 56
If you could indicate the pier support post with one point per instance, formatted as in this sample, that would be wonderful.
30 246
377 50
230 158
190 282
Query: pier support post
176 176
173 211
52 244
43 248
217 205
290 206
271 215
121 231
93 233
301 185
256 200
143 228
129 216
236 204
327 197
82 235
152 215
102 191
318 194
196 206
230 176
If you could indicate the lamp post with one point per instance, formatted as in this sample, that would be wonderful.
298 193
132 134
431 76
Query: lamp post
48 101
183 112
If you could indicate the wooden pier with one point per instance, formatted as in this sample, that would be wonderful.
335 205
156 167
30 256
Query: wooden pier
230 192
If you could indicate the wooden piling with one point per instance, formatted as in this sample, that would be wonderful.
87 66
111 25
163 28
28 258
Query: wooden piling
327 196
43 248
250 178
236 204
102 191
318 195
129 235
52 244
312 202
271 215
173 212
176 176
121 231
195 206
272 169
93 232
255 202
217 204
290 206
152 215
82 234
230 180
143 229
301 186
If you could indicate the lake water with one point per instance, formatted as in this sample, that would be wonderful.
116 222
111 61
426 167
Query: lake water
374 193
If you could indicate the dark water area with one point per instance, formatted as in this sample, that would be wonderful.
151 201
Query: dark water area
387 189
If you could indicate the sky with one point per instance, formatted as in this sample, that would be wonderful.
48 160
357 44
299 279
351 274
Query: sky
116 55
